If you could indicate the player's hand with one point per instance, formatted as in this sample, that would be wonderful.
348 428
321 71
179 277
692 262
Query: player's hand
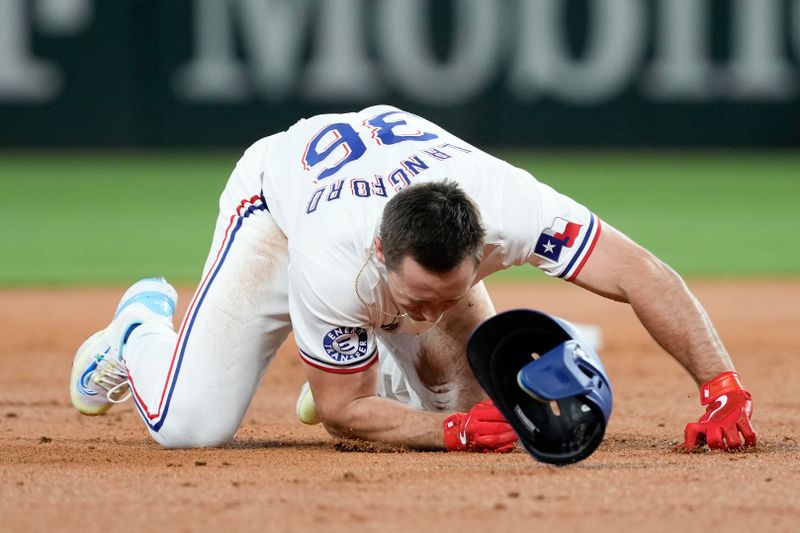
482 429
728 412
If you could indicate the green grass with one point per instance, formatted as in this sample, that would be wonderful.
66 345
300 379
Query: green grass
75 218
706 214
107 218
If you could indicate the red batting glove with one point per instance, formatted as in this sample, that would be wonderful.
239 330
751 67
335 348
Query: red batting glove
728 413
482 429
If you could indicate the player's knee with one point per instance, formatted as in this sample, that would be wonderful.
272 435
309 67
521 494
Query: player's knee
195 432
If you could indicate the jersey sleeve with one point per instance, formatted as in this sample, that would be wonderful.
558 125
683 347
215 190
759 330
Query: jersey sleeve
545 228
330 333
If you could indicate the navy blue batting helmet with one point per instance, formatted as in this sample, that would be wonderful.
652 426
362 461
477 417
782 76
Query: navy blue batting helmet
546 379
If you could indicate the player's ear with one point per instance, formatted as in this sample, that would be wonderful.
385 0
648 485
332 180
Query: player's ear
378 244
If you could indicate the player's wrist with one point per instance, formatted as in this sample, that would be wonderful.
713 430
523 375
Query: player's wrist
723 383
455 438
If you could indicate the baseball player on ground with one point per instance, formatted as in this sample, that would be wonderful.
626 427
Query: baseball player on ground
368 234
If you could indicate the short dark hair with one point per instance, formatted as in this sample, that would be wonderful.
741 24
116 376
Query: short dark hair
435 223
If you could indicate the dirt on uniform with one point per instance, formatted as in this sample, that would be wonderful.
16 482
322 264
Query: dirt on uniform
63 471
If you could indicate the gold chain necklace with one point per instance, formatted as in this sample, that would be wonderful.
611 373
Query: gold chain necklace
393 316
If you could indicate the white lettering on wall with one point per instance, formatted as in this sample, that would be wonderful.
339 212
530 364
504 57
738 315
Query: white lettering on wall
24 77
272 34
527 37
340 68
758 67
362 50
405 48
681 68
543 65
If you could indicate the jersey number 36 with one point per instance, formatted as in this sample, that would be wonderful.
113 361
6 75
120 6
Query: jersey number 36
340 142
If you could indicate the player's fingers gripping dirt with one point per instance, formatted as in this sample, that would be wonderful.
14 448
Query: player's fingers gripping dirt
482 429
731 435
728 410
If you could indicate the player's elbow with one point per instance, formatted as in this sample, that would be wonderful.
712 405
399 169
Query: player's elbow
647 273
337 430
340 421
657 270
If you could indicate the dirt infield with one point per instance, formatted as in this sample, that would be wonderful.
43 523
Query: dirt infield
62 471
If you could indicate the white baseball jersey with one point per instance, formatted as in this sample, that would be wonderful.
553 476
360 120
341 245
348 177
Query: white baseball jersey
326 181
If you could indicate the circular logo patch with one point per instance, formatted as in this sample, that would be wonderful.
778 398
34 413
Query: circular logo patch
345 344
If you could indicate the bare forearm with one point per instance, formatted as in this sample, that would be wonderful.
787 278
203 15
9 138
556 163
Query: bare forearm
677 321
379 419
621 270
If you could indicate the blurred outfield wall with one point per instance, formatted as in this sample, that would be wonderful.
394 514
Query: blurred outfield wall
497 72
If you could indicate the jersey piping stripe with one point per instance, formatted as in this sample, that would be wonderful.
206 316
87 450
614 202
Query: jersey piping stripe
588 252
590 234
169 385
353 368
156 419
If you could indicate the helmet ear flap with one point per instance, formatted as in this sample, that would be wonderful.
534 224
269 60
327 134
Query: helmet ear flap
551 387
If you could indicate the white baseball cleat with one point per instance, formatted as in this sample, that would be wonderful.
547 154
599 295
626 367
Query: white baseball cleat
305 408
99 377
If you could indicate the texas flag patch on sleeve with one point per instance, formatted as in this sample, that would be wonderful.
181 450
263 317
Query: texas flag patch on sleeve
564 234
